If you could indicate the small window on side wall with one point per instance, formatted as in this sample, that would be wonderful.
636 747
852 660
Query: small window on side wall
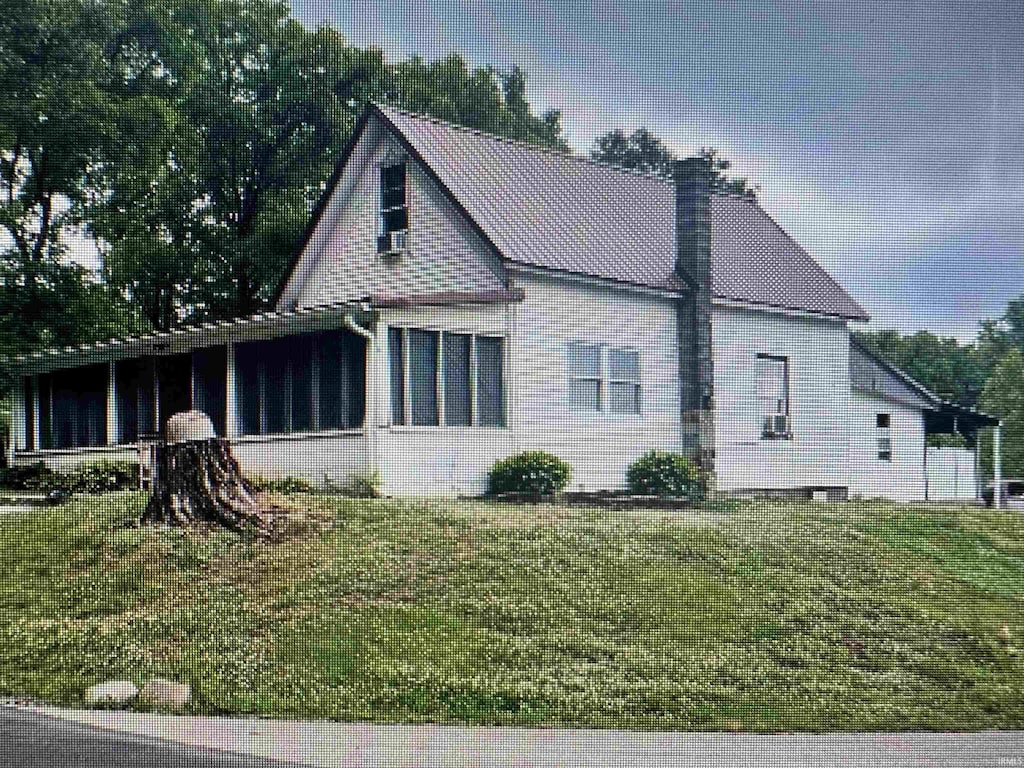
883 436
772 372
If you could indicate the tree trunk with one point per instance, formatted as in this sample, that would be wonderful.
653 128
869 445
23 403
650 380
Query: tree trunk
198 481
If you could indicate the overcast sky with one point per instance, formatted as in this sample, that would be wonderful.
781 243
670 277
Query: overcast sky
887 138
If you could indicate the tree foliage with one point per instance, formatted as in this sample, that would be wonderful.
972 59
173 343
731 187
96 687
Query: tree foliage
953 371
643 151
1003 396
58 117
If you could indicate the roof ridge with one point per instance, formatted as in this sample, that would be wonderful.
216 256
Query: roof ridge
570 155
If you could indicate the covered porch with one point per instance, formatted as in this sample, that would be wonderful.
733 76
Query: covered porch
947 418
290 390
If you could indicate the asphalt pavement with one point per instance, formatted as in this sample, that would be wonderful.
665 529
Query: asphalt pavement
30 739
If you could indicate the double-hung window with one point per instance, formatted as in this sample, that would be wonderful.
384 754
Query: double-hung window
772 373
446 379
603 378
883 436
394 208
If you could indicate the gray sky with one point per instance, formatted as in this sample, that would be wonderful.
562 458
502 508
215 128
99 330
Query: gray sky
888 138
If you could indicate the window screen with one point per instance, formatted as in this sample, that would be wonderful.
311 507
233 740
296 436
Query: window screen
624 381
585 376
397 361
394 213
457 396
423 377
209 370
883 436
489 367
773 385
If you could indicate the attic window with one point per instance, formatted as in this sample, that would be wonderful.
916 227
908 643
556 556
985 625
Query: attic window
394 208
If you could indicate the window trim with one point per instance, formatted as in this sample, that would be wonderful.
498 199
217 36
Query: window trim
474 416
605 380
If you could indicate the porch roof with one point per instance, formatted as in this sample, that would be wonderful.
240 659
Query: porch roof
261 325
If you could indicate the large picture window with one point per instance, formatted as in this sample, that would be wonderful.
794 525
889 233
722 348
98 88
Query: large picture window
301 383
446 379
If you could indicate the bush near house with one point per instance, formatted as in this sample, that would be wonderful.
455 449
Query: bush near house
536 473
664 473
90 477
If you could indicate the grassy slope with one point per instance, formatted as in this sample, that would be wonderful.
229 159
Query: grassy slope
772 617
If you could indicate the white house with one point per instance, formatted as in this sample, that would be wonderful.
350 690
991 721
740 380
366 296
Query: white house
459 297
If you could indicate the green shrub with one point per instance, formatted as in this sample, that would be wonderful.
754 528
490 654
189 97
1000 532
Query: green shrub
91 477
27 477
359 487
97 477
533 472
664 473
281 484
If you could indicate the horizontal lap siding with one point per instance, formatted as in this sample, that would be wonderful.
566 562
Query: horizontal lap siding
445 254
599 446
818 352
902 478
338 457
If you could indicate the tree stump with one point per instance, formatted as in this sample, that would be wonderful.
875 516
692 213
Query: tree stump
198 481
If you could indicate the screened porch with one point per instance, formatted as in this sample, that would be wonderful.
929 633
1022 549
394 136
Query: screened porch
304 378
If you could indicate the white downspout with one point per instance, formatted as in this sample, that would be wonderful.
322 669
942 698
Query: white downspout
370 410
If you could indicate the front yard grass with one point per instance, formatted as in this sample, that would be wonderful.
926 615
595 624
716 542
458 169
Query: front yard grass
759 616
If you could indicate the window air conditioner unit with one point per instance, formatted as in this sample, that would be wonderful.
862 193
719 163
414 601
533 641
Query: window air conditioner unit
776 425
393 242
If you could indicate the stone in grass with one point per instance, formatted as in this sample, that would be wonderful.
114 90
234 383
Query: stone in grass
111 692
165 693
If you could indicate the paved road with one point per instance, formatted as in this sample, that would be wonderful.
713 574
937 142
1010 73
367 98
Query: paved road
356 745
29 739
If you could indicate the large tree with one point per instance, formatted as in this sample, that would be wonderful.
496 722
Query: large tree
642 151
1003 396
58 117
202 221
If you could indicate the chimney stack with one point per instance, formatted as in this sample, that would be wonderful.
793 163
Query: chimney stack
692 178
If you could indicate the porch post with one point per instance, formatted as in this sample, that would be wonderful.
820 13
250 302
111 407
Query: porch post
977 467
230 394
37 429
18 418
997 466
112 421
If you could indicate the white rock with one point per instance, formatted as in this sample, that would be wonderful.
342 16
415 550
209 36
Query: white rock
165 693
190 425
111 692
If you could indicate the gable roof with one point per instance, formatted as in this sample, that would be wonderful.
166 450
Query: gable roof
543 208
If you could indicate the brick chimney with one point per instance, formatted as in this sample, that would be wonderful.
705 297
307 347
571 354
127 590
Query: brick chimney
692 178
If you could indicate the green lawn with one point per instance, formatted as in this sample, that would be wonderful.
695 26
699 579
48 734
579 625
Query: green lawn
762 616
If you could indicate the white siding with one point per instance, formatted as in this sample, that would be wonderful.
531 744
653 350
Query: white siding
341 262
599 446
902 478
819 396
